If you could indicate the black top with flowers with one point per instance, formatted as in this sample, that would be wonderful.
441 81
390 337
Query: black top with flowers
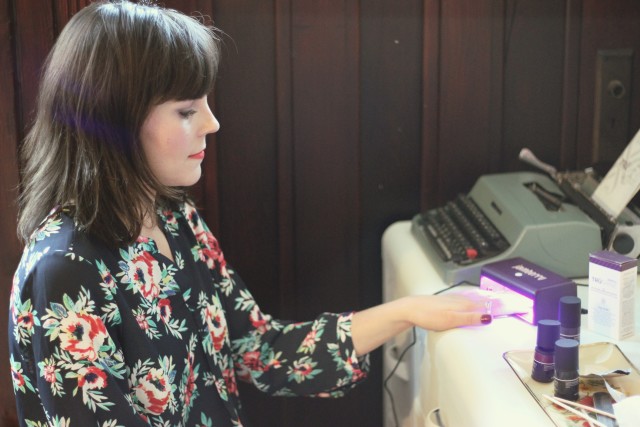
127 337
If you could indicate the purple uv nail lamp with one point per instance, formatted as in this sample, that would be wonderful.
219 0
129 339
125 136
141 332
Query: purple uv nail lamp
536 289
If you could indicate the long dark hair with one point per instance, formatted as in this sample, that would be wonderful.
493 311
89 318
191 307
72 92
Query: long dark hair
110 65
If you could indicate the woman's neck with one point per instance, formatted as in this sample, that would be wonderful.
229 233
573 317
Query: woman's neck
151 229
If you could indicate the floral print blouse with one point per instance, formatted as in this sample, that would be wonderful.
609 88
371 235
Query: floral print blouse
127 337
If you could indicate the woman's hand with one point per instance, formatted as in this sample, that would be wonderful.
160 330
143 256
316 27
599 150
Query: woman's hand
442 312
374 326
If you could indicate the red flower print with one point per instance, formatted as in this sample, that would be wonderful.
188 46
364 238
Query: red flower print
242 372
169 217
153 392
194 219
208 248
49 373
273 363
145 274
358 374
191 386
230 381
210 251
18 379
258 320
353 367
310 340
141 318
82 335
164 308
15 291
25 320
205 256
92 378
107 279
304 369
252 361
217 325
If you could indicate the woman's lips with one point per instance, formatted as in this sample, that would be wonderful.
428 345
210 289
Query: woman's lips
199 155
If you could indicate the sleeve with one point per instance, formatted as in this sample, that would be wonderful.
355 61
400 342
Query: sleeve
67 369
314 358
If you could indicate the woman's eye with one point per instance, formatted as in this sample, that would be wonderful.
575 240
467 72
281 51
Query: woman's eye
186 114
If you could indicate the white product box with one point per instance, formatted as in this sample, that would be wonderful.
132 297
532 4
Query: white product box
612 284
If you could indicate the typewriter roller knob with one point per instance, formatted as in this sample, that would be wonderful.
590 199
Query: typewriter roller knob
623 243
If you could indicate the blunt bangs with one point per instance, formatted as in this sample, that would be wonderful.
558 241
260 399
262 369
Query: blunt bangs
174 56
186 57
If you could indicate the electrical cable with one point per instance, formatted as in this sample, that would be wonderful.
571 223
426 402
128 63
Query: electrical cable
386 381
406 349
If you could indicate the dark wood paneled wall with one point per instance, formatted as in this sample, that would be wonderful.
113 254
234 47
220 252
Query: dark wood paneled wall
340 117
10 248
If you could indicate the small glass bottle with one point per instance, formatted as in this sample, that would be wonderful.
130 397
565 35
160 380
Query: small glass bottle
543 357
569 312
566 380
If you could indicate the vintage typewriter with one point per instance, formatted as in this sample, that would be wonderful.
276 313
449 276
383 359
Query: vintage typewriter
549 219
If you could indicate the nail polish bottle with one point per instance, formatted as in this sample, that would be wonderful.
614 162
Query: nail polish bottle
569 316
566 380
543 357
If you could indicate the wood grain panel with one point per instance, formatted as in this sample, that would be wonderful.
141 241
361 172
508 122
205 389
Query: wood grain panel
429 165
326 178
325 129
390 152
606 25
247 166
246 144
63 10
391 123
571 85
534 63
10 248
34 36
284 113
465 73
25 39
499 22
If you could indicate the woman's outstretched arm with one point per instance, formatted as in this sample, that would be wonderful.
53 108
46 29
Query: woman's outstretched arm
374 326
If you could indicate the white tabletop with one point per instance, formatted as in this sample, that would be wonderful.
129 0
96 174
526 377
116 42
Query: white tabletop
464 373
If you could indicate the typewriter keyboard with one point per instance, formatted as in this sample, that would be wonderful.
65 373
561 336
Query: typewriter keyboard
461 232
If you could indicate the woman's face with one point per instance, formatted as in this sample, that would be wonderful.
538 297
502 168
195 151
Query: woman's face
173 140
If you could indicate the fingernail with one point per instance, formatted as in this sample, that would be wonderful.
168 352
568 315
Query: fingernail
485 319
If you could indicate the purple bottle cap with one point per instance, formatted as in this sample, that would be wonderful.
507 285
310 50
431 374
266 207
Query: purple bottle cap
566 355
548 333
569 312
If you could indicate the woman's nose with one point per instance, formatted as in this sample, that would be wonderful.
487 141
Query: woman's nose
211 124
214 125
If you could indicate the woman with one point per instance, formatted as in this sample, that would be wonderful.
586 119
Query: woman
123 309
